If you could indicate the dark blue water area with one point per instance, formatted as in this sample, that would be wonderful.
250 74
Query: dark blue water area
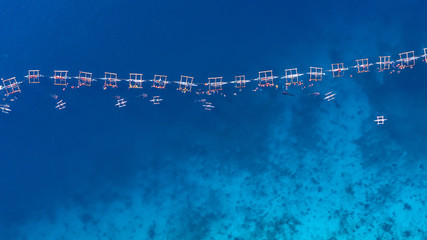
94 154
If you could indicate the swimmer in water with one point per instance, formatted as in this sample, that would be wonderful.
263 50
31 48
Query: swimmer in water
287 93
144 95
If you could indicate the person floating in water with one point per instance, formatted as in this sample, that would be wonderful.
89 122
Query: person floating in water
287 93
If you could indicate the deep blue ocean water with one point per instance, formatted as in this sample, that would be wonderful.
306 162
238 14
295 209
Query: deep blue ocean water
261 165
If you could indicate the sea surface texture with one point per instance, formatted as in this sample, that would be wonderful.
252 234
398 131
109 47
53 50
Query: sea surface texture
304 161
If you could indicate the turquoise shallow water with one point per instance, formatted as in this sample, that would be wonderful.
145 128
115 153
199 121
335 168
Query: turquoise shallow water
260 165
